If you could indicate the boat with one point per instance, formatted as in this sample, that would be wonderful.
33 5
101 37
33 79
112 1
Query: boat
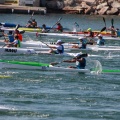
16 51
75 36
110 71
11 64
21 29
38 29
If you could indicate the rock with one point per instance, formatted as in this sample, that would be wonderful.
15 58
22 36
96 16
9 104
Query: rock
101 6
115 4
113 11
103 10
60 5
84 5
89 10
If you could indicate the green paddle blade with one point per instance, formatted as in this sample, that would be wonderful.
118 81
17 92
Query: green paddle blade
25 63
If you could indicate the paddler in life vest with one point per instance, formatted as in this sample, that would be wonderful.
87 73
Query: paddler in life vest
17 33
117 32
90 33
44 30
79 60
113 31
15 43
81 45
59 47
100 40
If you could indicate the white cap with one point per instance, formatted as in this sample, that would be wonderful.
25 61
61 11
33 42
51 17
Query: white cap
59 41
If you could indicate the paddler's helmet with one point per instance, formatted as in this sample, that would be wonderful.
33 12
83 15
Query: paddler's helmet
89 29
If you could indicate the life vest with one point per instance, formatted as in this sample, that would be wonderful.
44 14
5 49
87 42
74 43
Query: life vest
11 38
61 51
91 34
19 37
82 64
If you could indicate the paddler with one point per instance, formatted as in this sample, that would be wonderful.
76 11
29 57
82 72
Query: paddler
59 27
117 32
59 47
79 60
32 24
113 31
44 30
81 45
90 37
15 43
90 33
100 40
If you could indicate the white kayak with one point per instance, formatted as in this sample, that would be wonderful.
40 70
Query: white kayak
67 35
37 66
16 51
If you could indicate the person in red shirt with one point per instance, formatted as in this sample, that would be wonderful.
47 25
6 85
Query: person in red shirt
59 27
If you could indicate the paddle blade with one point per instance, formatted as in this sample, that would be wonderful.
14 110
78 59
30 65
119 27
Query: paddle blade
103 29
112 21
17 26
104 21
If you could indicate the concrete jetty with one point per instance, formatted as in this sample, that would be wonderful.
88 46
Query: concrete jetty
22 9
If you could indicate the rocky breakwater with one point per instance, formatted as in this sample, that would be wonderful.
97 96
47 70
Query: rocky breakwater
89 7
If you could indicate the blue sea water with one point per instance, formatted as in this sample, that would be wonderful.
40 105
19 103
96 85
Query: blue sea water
45 95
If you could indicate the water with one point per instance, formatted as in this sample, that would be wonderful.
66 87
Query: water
37 95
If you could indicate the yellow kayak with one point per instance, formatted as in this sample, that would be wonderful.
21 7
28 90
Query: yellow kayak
30 29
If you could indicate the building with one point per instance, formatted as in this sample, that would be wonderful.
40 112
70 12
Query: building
35 3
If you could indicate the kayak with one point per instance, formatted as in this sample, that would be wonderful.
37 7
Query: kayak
16 51
105 71
108 33
22 29
12 25
37 66
75 36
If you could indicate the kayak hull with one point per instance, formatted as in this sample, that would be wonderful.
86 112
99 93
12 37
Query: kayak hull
16 51
9 65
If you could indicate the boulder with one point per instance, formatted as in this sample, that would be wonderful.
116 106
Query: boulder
101 6
89 10
84 5
113 11
60 5
103 10
115 4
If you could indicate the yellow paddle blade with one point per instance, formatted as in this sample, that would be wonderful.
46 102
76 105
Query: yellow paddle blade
5 76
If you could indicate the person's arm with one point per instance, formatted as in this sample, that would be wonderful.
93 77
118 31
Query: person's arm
70 61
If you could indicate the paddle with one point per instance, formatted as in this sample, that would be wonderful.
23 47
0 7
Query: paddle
112 21
76 24
32 15
104 21
104 28
55 63
55 24
47 45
